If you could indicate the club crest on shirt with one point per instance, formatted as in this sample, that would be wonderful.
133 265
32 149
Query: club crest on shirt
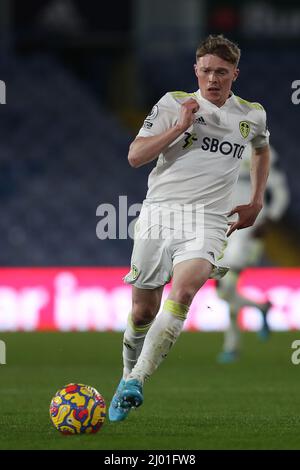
244 128
153 113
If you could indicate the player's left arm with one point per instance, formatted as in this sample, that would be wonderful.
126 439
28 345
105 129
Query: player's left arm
247 213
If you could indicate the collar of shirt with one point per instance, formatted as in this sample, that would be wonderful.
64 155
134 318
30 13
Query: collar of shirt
227 103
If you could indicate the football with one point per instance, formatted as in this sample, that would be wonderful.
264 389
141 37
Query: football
77 409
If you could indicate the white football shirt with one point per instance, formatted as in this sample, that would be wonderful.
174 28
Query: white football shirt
201 166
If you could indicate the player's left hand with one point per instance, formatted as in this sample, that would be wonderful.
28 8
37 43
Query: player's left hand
247 214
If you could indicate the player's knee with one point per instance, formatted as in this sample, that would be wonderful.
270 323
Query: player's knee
183 295
143 313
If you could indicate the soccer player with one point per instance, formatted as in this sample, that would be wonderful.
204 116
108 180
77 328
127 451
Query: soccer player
199 139
245 248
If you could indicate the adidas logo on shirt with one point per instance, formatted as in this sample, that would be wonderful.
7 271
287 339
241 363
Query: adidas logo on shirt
200 120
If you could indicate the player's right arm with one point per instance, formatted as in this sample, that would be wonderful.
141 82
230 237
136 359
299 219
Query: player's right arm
146 149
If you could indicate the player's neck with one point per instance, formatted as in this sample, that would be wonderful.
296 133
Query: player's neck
218 103
221 103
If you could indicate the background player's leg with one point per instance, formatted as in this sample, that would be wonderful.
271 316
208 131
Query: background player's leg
227 290
188 277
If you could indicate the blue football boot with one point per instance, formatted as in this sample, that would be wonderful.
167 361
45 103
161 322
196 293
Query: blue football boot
131 395
115 412
226 357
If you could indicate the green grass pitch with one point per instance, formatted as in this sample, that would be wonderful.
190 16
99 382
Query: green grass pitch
191 402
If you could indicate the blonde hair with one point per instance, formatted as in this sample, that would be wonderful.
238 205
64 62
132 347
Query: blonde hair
221 47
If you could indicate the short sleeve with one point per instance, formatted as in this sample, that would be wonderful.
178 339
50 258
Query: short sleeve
261 139
162 116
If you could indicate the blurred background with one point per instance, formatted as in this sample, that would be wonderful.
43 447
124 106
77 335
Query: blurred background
80 78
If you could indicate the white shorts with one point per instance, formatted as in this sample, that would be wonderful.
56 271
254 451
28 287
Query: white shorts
243 249
158 247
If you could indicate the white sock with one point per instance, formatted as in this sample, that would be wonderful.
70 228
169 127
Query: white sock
161 336
133 341
232 335
228 291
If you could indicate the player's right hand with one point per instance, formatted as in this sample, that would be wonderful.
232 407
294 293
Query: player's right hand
187 114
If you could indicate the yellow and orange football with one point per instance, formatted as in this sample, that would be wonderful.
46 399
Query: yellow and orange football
77 409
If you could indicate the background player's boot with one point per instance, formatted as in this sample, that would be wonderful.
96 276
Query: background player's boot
225 357
132 394
115 412
264 332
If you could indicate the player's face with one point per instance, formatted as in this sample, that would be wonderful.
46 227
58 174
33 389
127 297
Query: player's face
215 77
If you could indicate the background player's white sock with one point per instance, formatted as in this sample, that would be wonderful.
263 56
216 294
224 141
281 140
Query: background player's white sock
160 338
133 341
228 291
232 335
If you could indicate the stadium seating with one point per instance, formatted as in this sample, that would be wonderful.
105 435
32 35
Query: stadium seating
63 154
